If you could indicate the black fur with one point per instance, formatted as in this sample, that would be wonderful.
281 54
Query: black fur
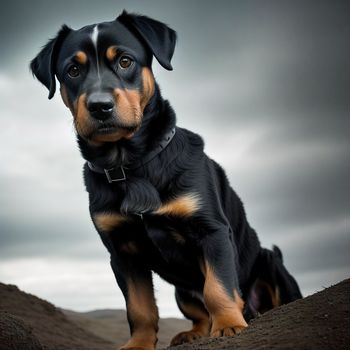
216 233
161 42
43 66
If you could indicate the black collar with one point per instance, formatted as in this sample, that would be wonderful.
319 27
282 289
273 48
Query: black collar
117 173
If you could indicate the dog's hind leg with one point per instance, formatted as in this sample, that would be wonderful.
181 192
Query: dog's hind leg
194 310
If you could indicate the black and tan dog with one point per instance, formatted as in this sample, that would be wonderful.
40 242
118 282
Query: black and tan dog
158 202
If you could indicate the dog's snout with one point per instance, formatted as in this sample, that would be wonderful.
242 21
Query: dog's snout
100 105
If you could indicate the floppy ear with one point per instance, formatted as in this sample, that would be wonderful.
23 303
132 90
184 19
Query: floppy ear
158 36
43 65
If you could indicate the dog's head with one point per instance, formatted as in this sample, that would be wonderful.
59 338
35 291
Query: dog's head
105 73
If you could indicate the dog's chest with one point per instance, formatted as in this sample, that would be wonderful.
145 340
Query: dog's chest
172 251
168 229
164 238
174 211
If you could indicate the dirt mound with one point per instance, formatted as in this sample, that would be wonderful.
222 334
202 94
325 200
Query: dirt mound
49 325
57 329
16 334
320 321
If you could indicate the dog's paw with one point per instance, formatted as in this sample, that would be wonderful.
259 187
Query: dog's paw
226 331
141 341
185 337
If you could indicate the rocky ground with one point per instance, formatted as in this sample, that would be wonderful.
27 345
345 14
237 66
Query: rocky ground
320 321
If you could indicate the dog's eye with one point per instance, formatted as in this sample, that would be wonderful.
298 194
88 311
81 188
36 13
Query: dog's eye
125 62
73 71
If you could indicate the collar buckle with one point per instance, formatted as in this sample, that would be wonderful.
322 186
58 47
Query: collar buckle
115 174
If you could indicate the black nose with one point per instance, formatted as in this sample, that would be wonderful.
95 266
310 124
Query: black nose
100 105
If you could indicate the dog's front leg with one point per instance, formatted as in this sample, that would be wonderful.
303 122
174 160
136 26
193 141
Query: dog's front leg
135 281
221 288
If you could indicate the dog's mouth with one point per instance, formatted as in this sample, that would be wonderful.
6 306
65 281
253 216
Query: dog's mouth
111 131
106 128
110 127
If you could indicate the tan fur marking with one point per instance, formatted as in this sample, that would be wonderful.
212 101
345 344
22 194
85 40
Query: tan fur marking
148 87
226 312
81 117
199 330
128 107
84 126
143 312
276 300
111 53
108 221
65 98
81 57
183 206
200 326
273 293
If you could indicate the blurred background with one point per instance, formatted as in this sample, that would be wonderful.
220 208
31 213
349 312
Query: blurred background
266 83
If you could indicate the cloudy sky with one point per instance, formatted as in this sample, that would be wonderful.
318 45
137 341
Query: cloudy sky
266 83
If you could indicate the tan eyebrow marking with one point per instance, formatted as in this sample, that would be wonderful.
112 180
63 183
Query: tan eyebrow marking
81 57
111 53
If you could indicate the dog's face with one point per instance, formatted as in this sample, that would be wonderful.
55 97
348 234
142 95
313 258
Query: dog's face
105 73
106 81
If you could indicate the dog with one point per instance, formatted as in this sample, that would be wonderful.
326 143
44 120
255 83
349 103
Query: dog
158 202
